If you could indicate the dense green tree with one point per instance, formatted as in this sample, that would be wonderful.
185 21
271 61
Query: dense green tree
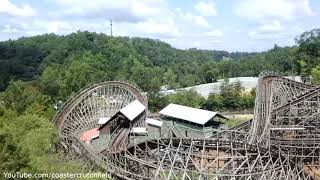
309 44
18 62
27 145
157 101
189 80
170 79
187 98
20 96
232 97
214 102
308 51
315 72
27 135
230 93
134 59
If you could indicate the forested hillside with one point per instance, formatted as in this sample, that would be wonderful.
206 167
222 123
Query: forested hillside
84 57
38 72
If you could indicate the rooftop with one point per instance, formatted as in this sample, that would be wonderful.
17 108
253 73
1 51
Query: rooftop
132 110
198 116
154 122
103 120
89 135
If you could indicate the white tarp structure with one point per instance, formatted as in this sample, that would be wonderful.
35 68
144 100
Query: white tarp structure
132 110
205 89
198 116
154 122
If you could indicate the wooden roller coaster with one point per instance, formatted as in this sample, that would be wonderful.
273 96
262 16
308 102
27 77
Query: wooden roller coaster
281 142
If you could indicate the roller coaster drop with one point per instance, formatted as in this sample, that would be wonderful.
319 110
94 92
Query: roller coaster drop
281 142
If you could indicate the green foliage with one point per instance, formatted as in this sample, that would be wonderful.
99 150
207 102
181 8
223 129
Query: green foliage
18 62
26 145
27 136
214 102
170 79
309 43
232 97
187 98
157 101
315 72
309 48
302 67
67 63
20 96
230 94
232 122
11 157
81 71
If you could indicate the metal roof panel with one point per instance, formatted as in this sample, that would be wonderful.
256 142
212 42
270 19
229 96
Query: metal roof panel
132 110
154 122
198 116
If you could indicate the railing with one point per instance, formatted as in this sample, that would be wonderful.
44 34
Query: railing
173 129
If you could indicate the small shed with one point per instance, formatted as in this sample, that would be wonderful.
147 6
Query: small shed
123 119
138 134
154 127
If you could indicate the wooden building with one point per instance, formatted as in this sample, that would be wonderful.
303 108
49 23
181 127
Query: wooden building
154 127
186 121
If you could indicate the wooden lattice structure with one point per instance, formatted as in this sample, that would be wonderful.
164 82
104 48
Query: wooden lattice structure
281 142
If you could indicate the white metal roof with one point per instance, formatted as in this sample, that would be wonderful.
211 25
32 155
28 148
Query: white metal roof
103 120
154 122
139 130
132 110
186 113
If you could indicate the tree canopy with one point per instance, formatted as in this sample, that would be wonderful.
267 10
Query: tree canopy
64 64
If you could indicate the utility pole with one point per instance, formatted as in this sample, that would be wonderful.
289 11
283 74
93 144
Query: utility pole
111 27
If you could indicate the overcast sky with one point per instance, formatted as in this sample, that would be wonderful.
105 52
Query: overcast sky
232 25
